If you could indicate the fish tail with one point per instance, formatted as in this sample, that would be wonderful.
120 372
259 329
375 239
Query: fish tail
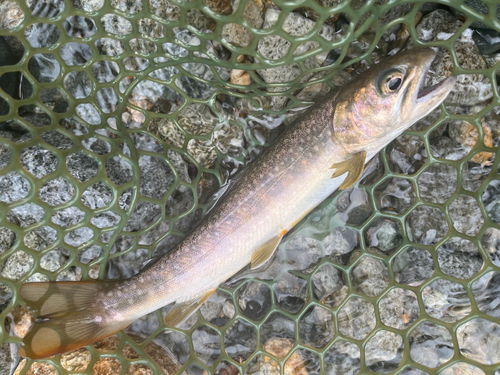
68 316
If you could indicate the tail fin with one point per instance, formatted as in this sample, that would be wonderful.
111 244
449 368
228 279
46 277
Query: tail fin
67 318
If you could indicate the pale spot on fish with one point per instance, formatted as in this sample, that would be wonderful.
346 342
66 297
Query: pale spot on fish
119 293
110 294
130 301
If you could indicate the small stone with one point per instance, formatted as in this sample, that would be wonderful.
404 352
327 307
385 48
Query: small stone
438 182
491 200
357 318
219 6
116 24
254 300
316 327
240 77
218 308
426 225
56 192
13 187
354 206
206 344
240 340
431 345
491 244
329 285
339 243
406 154
399 308
370 276
462 368
11 15
26 215
16 265
486 292
446 300
466 216
38 161
396 195
303 253
413 266
7 238
236 35
459 258
479 341
278 347
384 235
37 368
23 320
343 357
384 352
291 293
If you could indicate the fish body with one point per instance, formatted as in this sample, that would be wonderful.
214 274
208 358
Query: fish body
323 150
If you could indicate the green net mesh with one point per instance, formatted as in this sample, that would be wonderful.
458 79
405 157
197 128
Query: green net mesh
119 120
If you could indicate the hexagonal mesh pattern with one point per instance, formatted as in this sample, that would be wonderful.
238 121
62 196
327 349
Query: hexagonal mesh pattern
120 119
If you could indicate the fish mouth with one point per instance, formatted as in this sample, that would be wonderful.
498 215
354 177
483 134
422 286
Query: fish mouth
444 85
437 92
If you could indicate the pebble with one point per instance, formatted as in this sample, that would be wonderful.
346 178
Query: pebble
370 276
357 318
479 341
11 15
446 300
384 351
426 225
399 308
431 345
466 215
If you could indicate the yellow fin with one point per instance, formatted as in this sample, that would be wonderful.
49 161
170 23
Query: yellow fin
354 166
67 320
264 253
183 310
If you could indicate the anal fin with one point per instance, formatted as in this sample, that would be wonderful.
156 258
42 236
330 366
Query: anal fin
353 166
183 310
261 255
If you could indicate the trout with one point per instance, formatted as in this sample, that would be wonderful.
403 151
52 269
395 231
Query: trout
322 151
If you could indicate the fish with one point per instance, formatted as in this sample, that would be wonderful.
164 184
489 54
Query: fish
323 150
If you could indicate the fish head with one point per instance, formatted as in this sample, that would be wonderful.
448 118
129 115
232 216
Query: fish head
388 98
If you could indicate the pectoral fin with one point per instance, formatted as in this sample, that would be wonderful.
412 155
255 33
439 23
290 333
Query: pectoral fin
181 311
264 253
354 166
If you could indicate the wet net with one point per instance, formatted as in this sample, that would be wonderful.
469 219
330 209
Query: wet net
120 120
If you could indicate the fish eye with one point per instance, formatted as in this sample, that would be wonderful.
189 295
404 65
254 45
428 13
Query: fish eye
392 83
